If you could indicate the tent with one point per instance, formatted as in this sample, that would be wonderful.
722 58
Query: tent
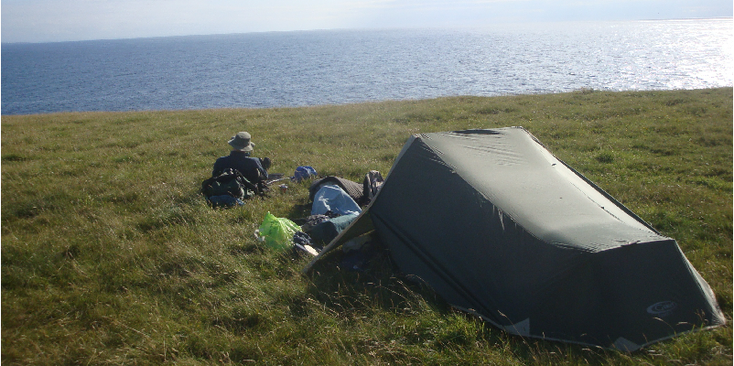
501 228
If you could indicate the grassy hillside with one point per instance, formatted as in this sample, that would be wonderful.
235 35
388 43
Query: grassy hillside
110 256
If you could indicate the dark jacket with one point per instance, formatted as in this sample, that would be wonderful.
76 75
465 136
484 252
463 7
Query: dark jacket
250 167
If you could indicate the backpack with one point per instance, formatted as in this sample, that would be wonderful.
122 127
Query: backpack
372 183
227 188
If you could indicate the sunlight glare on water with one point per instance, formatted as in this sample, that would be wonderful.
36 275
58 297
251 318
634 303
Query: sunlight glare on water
285 69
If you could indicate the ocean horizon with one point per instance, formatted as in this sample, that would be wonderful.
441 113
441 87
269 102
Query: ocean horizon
305 68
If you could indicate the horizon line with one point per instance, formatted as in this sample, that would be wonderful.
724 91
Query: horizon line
367 29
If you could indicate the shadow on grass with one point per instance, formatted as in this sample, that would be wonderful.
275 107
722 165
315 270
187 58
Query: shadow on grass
377 283
379 286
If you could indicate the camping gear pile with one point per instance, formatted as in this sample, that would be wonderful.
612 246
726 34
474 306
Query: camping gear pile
336 203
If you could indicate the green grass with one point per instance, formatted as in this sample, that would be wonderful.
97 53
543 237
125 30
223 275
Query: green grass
110 256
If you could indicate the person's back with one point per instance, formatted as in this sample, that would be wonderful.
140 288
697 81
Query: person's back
239 159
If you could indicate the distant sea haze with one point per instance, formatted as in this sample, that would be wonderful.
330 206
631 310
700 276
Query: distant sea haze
288 69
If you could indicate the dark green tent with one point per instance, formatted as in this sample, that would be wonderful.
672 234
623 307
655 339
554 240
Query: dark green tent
501 228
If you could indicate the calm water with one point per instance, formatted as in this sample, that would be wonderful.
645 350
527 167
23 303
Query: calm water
336 67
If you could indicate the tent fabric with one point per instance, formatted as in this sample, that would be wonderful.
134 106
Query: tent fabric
501 228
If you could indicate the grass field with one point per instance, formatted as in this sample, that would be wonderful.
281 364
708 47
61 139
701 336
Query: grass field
111 256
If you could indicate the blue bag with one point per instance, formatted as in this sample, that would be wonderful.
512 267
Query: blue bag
331 197
303 172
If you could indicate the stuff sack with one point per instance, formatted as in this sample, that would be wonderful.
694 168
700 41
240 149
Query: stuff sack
276 232
327 230
332 198
229 183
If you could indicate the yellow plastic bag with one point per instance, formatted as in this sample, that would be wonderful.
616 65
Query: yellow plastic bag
276 232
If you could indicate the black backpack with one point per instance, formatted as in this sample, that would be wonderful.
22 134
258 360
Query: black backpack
229 183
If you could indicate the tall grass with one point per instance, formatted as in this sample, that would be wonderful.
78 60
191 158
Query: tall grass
110 256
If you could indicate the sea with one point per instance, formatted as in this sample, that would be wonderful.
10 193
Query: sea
306 68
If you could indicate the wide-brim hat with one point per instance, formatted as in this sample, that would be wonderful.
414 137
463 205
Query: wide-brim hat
241 141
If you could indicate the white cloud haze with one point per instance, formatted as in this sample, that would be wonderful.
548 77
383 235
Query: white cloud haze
57 20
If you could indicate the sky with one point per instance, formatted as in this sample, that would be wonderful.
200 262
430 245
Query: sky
73 20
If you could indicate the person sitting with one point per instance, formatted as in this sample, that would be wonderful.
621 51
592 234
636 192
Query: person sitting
254 169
